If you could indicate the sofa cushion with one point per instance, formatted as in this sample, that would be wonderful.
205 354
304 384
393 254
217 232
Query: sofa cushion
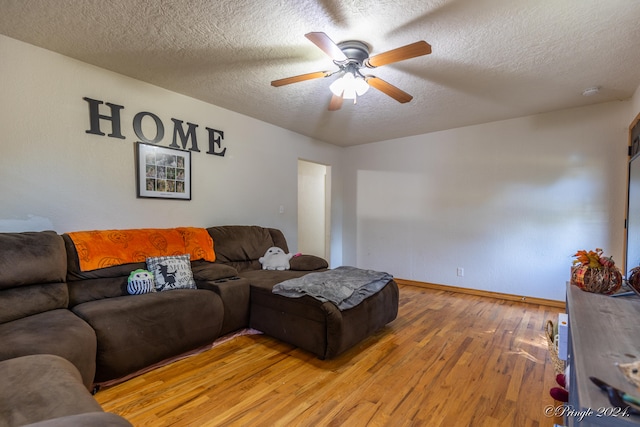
109 282
278 239
242 245
171 272
23 301
210 271
109 287
31 258
94 289
267 279
308 263
57 332
40 387
137 331
240 242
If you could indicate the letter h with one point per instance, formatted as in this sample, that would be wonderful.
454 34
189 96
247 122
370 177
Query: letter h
95 116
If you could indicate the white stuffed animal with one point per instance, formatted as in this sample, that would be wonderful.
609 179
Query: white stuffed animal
275 259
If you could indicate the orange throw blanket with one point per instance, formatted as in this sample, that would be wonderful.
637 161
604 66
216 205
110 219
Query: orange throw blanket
106 248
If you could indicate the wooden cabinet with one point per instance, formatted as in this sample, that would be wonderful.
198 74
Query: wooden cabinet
603 331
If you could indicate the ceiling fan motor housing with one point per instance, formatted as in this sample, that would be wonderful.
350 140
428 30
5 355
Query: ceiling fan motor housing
355 51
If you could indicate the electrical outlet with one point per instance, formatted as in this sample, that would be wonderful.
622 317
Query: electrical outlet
460 272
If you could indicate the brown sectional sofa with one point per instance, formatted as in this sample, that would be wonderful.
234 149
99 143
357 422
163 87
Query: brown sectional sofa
87 328
47 353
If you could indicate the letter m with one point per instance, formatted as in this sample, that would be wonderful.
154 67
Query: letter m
178 132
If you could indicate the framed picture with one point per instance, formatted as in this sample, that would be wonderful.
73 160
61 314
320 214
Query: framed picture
162 172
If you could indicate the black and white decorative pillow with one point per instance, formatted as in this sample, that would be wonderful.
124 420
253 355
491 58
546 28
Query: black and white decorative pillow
140 282
172 272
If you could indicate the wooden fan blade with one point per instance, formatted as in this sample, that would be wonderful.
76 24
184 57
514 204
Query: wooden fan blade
389 89
327 45
300 78
336 103
400 54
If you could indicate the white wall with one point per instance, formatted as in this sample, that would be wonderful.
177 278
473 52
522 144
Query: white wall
510 201
56 176
635 108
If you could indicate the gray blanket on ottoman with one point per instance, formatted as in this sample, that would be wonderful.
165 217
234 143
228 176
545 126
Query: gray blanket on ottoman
344 286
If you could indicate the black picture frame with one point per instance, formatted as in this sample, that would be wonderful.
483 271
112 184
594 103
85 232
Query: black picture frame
162 172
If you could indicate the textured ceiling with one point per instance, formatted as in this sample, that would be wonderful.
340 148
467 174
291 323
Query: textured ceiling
491 60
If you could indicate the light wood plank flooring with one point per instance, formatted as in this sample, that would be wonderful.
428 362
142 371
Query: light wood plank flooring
447 360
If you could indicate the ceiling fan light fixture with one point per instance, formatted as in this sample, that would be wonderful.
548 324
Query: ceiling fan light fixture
349 86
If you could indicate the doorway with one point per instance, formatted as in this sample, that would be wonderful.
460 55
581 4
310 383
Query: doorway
314 188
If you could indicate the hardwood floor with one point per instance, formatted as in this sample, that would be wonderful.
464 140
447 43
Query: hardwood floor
447 360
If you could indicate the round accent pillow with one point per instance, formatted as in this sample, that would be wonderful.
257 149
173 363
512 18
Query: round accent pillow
140 282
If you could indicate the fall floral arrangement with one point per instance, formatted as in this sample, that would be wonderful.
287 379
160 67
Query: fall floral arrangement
594 272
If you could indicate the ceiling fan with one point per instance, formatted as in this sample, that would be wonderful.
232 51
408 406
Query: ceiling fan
351 57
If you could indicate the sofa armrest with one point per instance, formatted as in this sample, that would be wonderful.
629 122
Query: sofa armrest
308 263
211 271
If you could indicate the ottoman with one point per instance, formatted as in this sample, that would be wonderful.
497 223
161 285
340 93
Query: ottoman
316 326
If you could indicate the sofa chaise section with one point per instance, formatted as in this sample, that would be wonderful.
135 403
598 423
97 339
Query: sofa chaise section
315 326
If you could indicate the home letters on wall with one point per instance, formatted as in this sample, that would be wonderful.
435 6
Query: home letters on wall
181 138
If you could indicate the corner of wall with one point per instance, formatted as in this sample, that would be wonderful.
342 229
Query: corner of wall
635 104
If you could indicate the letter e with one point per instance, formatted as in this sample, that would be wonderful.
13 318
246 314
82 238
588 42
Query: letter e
215 138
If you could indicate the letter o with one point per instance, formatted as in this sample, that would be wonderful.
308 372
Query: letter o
137 127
